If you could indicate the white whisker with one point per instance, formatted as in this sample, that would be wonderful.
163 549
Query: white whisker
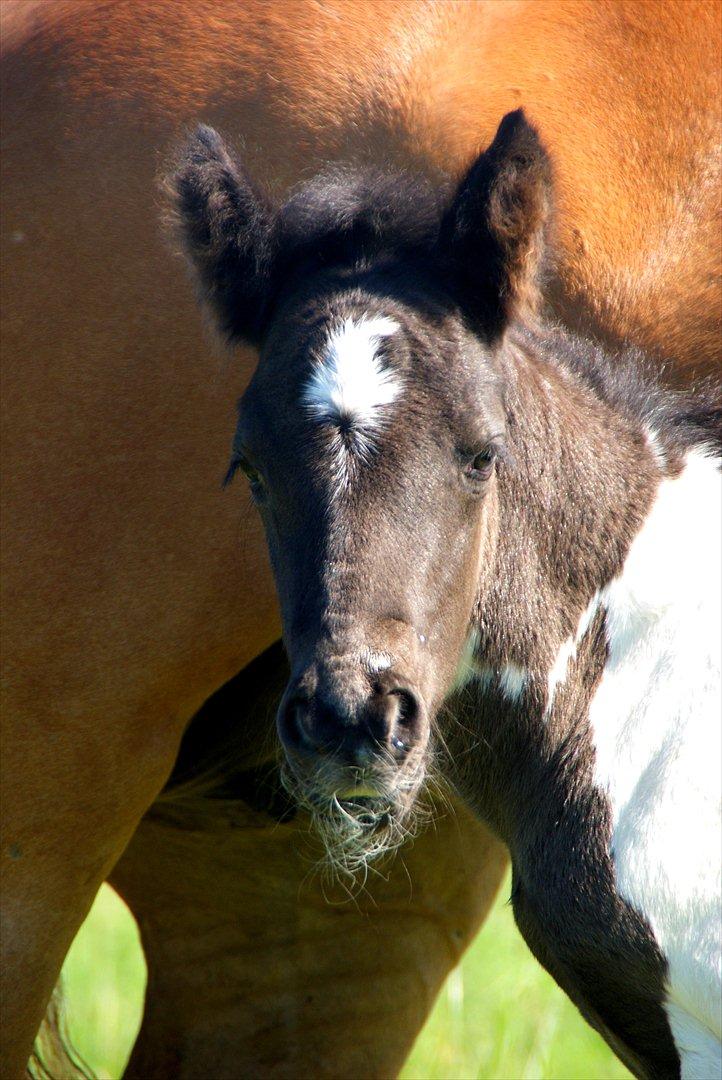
355 835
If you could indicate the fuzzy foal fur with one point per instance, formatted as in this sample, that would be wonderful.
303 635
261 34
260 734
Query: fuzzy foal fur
510 478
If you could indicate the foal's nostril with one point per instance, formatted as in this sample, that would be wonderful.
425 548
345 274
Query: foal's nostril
408 708
403 721
294 725
406 721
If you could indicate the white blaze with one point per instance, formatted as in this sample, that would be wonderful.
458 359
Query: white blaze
350 381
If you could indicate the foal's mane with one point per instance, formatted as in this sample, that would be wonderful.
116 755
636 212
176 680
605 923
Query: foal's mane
352 211
630 383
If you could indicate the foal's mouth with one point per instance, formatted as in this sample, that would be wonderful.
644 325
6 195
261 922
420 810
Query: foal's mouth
360 787
383 785
359 819
366 796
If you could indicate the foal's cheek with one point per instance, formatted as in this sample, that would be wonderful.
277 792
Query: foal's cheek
486 534
473 546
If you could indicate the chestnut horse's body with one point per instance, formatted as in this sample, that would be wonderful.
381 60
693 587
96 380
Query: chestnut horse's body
131 592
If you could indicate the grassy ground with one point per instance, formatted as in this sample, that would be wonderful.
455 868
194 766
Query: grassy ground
499 1015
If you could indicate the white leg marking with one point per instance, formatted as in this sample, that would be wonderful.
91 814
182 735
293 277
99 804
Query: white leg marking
656 727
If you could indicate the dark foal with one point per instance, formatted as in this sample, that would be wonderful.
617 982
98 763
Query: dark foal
492 537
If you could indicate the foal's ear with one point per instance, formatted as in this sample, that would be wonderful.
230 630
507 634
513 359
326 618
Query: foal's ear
493 233
225 226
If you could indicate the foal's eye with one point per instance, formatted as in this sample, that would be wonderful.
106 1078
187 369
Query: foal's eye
481 465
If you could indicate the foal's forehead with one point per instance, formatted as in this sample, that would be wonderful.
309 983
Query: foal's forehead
352 379
361 363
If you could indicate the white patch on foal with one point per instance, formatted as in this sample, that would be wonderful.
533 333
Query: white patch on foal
655 721
375 662
350 382
567 652
655 446
467 669
511 679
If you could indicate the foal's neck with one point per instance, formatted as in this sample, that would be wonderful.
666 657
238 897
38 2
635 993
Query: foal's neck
578 486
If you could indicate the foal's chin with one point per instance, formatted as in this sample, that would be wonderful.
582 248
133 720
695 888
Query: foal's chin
359 818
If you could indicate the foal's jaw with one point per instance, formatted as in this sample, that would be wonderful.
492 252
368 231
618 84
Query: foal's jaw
360 811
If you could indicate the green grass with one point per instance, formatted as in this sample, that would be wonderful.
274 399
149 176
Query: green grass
104 984
498 1016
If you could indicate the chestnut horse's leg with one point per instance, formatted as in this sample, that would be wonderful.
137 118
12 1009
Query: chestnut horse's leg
252 973
68 809
256 969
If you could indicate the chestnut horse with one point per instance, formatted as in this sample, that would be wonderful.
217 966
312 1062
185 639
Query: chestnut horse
130 591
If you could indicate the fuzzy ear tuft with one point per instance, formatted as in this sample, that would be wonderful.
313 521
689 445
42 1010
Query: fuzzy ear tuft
225 226
493 233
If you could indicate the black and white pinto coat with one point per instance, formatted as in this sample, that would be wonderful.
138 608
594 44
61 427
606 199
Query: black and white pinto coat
655 725
602 769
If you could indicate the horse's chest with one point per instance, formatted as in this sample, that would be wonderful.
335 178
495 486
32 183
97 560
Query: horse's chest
645 897
603 776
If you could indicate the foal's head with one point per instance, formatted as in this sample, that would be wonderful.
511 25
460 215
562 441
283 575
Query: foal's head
371 435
